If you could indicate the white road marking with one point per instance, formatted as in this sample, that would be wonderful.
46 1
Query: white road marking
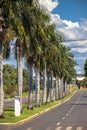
79 128
69 128
67 114
58 123
49 128
58 128
69 111
73 107
63 118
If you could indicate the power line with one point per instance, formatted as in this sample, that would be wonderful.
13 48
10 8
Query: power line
75 40
72 40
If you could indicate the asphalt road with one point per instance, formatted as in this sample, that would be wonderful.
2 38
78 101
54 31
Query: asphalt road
71 115
10 102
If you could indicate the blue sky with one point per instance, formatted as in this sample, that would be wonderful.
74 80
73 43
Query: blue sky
73 10
70 17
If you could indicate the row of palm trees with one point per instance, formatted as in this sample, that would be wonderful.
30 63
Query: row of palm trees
40 44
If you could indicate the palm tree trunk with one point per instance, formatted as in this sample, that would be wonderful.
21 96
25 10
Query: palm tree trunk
30 87
61 85
44 86
1 82
60 89
20 74
52 87
56 90
63 88
37 88
48 88
65 91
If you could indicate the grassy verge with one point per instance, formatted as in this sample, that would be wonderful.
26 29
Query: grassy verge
10 117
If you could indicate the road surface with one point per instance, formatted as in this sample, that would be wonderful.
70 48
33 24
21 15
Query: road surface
10 102
71 115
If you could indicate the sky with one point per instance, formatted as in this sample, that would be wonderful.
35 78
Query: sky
70 17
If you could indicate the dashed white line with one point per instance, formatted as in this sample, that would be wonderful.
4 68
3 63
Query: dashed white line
58 123
69 128
79 128
69 111
58 128
63 118
73 107
67 114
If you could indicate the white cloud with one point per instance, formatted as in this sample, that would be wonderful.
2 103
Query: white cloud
80 50
78 69
49 4
71 30
80 58
70 24
84 24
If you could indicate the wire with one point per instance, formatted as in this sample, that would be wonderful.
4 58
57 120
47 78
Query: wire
71 40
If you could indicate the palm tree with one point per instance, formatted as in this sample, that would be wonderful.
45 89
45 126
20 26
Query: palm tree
35 21
44 85
37 88
12 15
20 69
67 64
1 81
30 88
1 69
5 37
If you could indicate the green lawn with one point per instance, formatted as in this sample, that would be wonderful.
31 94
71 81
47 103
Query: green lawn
10 117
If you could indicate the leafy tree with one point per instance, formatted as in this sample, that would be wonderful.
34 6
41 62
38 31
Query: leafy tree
10 80
84 82
85 67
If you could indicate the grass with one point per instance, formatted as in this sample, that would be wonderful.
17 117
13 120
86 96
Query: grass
10 117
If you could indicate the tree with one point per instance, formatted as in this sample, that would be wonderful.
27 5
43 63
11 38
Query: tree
5 37
14 12
10 80
1 81
34 22
3 40
85 67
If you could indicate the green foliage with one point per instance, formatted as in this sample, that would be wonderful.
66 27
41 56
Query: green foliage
10 80
73 88
85 67
85 82
25 80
